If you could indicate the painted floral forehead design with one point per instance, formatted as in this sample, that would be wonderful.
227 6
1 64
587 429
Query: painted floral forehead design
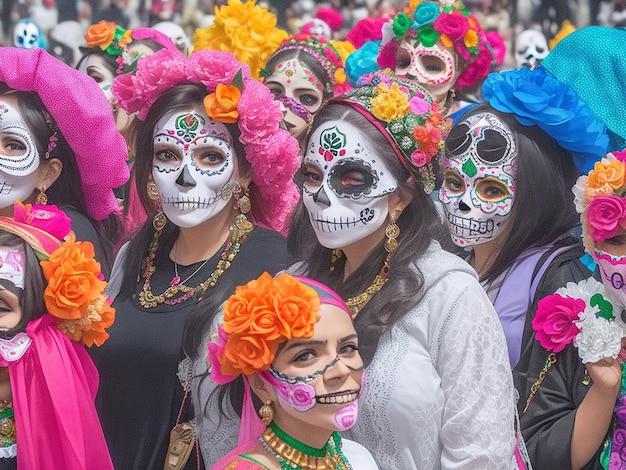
600 199
232 97
455 27
407 116
74 293
325 53
262 315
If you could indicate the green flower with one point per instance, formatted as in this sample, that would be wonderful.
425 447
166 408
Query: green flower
428 36
401 24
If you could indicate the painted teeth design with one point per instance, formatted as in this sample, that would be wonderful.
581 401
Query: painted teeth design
469 228
189 203
334 399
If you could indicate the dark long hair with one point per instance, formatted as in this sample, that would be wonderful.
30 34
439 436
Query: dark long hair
66 192
419 224
31 301
543 209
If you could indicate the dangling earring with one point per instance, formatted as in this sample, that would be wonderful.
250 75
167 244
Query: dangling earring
266 412
242 201
159 220
392 231
335 255
42 199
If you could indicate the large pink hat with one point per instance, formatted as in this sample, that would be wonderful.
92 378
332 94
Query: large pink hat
83 115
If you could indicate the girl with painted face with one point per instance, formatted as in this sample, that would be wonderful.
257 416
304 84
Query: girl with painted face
574 418
505 191
425 325
303 73
441 46
59 144
214 175
305 370
48 314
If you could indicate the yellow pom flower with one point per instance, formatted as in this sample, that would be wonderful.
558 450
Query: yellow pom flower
390 104
340 76
446 41
471 38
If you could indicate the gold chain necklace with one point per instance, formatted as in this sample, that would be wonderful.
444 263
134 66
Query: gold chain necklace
293 454
238 232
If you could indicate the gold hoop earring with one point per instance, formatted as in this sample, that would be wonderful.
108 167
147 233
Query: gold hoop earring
266 412
392 231
42 199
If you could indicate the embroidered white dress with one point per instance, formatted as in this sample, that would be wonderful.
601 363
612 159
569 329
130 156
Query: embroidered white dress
439 391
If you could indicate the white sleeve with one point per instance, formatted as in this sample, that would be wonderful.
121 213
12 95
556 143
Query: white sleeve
114 284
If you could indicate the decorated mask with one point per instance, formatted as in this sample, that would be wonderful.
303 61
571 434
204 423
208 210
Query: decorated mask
19 158
531 48
97 68
194 166
478 190
432 67
613 272
27 35
347 186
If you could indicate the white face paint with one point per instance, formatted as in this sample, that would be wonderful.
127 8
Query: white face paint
531 48
19 158
26 35
347 186
613 273
478 190
432 67
194 166
97 68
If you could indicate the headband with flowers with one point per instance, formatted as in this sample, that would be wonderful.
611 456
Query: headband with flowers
600 199
260 316
325 53
233 97
407 116
450 23
75 286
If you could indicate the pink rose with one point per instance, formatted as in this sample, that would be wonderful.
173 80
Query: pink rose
554 321
301 396
453 24
48 218
419 158
604 215
419 105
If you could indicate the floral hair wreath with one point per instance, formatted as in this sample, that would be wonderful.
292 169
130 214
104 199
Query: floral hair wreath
260 316
407 116
74 293
233 97
535 97
454 26
600 199
325 53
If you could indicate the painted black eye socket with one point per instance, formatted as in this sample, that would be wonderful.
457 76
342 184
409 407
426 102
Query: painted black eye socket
493 147
458 140
352 178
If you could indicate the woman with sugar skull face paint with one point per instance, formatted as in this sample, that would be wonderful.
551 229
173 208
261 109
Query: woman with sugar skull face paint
575 417
308 381
505 192
216 199
371 231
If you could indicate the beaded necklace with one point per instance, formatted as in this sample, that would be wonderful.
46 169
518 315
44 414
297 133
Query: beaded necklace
293 454
238 232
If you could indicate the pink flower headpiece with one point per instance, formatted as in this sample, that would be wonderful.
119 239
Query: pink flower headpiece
233 97
600 198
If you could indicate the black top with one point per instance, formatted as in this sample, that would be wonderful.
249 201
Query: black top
140 394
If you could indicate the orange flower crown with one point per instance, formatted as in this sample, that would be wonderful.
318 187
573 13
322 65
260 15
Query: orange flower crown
75 291
260 316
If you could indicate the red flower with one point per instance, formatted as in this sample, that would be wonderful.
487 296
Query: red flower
555 319
453 24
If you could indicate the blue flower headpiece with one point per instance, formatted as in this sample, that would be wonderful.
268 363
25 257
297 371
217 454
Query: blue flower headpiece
537 98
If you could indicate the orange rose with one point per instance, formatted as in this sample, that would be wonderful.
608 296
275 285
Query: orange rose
73 280
611 173
247 354
221 105
100 34
446 41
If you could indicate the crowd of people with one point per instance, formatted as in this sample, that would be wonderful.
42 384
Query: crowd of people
398 247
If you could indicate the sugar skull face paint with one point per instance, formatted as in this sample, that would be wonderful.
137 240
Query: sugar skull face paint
194 167
432 67
19 157
96 67
312 385
300 91
478 190
11 286
613 273
347 186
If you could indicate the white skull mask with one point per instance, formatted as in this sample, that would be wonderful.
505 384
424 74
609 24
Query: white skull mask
478 190
194 167
432 67
531 48
26 35
19 157
347 186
